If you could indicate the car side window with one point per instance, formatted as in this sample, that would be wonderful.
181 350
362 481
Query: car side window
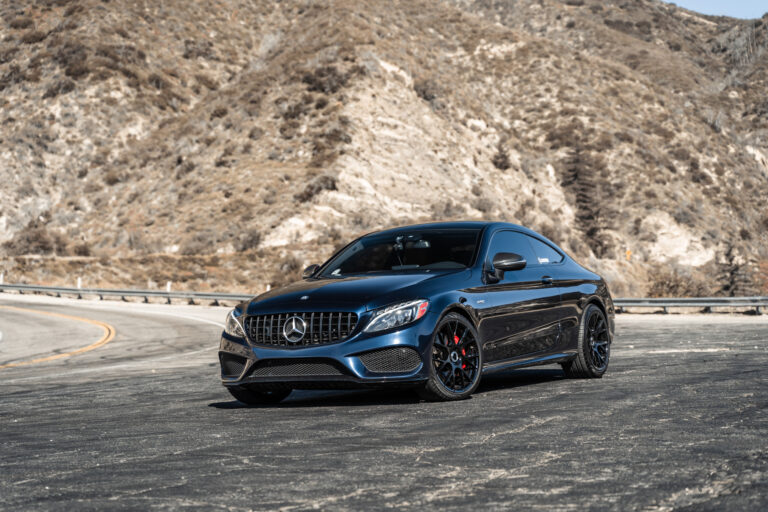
545 254
511 241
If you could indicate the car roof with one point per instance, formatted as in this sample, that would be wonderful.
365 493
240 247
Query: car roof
468 224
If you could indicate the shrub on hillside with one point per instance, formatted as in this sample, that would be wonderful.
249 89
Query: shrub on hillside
219 112
82 249
112 177
33 37
59 87
425 89
676 283
206 81
314 187
198 48
157 81
77 70
35 239
249 240
325 79
7 54
202 242
21 23
500 160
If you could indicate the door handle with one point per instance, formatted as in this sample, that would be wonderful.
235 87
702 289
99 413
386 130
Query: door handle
546 280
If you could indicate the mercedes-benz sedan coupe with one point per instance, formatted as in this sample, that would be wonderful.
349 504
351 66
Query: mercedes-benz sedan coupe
432 306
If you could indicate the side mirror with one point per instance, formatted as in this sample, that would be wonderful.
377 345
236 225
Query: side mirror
503 262
310 271
506 261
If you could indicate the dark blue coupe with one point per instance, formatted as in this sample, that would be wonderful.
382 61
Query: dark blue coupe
432 306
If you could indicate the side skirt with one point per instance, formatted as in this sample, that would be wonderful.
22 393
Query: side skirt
530 361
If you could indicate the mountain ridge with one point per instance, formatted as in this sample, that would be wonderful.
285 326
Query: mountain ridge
252 139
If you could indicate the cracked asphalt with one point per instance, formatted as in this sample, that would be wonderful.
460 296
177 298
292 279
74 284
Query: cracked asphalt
679 422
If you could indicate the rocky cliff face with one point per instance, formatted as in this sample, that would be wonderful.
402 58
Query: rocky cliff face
227 144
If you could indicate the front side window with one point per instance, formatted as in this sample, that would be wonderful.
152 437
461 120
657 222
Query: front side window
406 251
511 241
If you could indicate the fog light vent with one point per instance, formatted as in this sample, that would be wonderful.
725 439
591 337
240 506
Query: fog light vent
231 365
391 360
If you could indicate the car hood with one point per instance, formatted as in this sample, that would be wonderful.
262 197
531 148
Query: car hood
369 291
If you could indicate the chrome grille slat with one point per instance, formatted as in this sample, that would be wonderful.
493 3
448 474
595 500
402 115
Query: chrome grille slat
322 328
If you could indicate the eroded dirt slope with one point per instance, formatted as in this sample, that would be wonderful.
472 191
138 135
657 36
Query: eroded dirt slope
227 144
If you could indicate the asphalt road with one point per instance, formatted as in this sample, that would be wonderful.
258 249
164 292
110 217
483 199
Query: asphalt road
679 422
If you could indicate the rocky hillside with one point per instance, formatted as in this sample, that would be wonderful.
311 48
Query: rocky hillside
226 144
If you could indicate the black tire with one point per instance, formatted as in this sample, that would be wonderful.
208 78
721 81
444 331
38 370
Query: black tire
456 360
253 395
594 347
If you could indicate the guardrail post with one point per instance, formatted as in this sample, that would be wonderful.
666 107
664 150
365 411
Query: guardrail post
758 311
666 310
707 310
191 301
146 300
168 300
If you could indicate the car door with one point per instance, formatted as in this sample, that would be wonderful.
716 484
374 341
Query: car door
518 315
550 262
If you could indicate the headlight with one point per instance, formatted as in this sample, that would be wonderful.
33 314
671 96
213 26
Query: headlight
232 325
397 315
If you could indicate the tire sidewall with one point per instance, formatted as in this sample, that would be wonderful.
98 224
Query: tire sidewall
584 348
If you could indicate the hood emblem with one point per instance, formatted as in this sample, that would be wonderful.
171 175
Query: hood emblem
304 297
294 329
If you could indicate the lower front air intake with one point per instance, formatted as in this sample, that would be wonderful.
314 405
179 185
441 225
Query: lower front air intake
391 360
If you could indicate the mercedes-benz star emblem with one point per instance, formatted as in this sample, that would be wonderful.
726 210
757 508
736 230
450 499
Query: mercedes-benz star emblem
294 329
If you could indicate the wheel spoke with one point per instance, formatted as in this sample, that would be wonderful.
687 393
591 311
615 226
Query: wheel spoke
462 339
455 338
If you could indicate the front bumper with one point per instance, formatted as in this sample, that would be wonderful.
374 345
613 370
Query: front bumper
392 357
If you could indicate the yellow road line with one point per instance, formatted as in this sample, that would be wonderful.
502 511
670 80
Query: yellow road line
109 334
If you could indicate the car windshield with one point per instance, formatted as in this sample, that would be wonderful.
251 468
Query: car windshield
406 251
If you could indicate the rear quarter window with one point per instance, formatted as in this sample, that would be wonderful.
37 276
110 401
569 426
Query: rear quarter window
544 253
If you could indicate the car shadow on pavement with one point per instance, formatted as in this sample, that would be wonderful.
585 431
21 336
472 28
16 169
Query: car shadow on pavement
327 398
518 378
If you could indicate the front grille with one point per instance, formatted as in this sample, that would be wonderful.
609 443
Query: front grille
322 328
291 368
391 360
231 366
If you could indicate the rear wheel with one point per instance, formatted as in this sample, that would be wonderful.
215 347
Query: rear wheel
456 360
254 395
594 347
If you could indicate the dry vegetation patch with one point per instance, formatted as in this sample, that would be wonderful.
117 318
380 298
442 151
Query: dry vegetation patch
201 134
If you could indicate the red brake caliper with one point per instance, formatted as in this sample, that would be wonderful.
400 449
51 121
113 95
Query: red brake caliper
463 352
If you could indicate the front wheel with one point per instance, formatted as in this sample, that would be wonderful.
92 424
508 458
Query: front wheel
254 395
456 360
594 347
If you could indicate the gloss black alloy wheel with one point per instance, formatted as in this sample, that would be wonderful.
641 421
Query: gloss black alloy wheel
594 346
456 360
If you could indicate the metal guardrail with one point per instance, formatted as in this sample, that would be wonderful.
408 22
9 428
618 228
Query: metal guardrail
107 292
706 303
